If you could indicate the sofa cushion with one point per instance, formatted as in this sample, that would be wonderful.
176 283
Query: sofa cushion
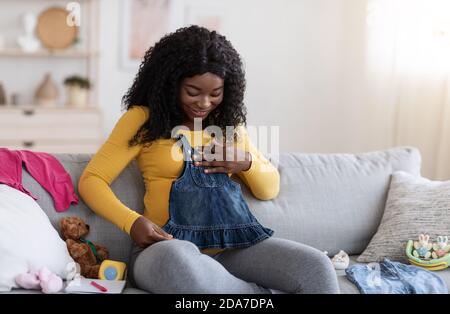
128 187
415 205
332 201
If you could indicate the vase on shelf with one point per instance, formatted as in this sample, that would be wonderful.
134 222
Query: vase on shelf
2 42
28 42
2 95
47 92
77 91
76 96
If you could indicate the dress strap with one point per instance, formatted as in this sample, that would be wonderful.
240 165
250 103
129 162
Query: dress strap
187 149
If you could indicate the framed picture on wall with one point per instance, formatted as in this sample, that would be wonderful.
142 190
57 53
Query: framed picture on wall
144 22
211 17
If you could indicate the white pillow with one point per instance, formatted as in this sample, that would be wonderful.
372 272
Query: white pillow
27 239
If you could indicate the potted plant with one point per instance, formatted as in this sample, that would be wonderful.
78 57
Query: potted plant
77 89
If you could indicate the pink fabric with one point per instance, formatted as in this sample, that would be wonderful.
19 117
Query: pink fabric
44 168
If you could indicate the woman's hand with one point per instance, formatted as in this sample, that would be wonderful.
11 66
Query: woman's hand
144 232
223 158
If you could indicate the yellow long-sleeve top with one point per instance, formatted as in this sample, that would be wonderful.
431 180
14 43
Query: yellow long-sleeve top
159 169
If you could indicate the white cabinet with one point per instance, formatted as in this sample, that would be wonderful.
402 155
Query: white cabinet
52 130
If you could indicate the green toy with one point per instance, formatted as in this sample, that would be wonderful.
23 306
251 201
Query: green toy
429 264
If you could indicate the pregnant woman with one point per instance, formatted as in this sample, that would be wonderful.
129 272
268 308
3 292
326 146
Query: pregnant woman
197 234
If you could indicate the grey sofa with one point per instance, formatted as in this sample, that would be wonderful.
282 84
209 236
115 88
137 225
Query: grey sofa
329 201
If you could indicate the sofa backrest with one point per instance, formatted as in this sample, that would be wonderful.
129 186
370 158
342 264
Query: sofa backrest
333 201
329 201
128 187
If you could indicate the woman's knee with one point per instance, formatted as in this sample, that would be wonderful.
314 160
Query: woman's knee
320 271
164 264
324 263
165 253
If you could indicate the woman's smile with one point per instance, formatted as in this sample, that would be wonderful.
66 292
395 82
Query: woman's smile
198 113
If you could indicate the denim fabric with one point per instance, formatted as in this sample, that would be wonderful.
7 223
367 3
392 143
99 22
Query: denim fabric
395 278
209 209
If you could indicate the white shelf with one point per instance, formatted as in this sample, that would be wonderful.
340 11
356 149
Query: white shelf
43 53
89 107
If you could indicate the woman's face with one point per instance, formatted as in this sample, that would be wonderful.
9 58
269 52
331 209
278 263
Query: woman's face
200 94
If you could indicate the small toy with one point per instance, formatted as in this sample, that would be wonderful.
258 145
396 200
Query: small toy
73 271
435 258
440 247
40 279
340 260
422 248
431 264
87 254
112 270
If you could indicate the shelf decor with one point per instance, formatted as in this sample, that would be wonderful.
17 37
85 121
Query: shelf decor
47 92
28 42
53 29
2 95
39 118
77 89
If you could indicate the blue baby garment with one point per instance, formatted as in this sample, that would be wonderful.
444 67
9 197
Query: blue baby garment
209 209
394 278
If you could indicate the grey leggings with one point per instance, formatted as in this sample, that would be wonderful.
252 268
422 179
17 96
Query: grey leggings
178 266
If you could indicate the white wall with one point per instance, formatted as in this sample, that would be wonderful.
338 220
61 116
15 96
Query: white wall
306 63
303 59
292 56
114 80
302 62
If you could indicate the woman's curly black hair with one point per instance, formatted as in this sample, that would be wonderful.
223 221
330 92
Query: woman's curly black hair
187 52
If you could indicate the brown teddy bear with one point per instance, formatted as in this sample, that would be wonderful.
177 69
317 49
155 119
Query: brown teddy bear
84 252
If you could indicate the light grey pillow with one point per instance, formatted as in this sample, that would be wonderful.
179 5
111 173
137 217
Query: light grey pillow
414 205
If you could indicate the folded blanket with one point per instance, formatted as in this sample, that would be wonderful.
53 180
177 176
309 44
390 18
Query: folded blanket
394 277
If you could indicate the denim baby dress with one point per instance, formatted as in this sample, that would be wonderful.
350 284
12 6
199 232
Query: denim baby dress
209 209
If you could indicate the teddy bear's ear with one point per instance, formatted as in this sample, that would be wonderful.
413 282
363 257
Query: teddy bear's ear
62 225
427 237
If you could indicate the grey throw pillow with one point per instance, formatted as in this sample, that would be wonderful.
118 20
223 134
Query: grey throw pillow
414 205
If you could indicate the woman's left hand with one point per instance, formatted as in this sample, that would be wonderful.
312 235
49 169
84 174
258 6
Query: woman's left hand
220 158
